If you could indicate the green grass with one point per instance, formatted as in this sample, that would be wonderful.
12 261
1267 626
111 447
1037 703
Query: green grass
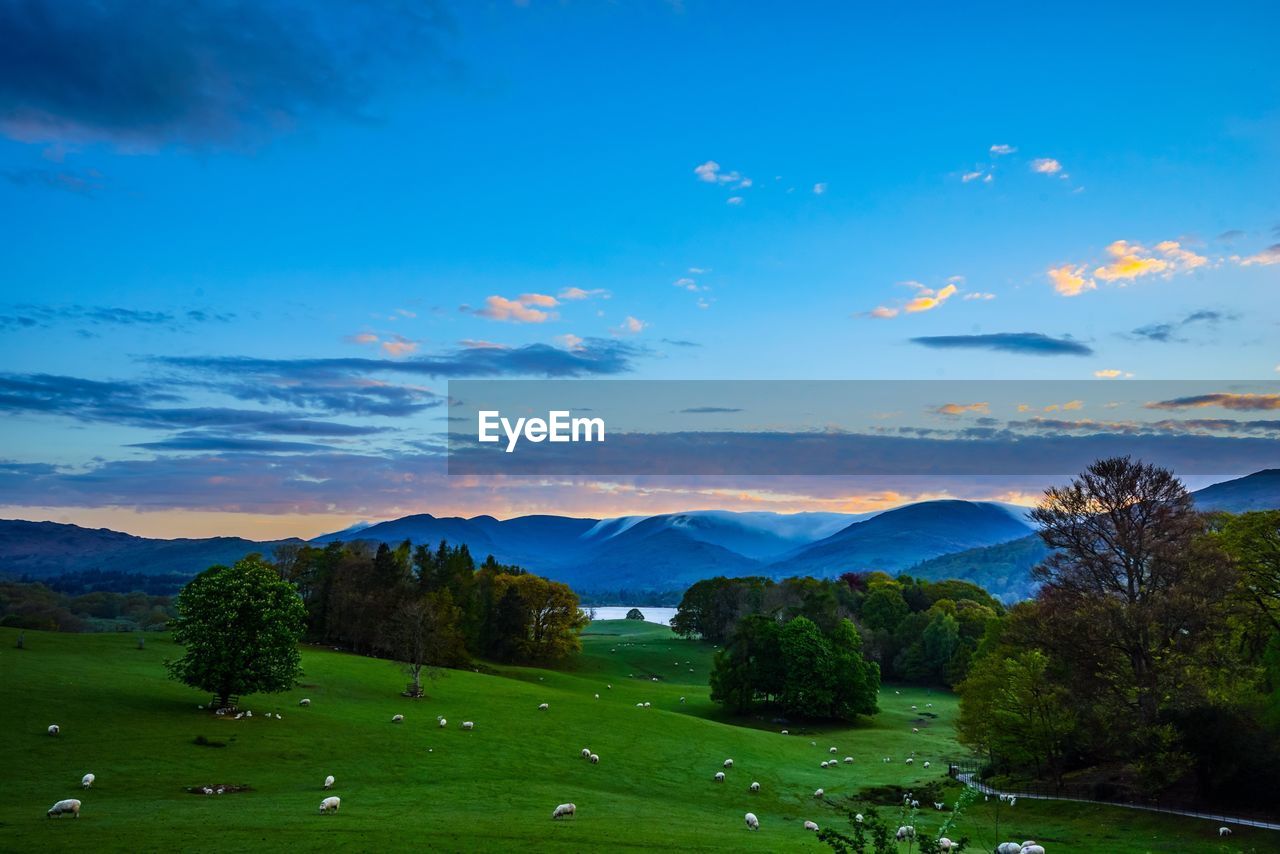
415 785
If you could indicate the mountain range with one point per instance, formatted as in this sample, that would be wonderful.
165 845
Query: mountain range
989 543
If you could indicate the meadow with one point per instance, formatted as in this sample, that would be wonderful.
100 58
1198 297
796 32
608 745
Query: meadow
416 784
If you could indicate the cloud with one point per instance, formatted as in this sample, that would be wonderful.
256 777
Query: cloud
926 299
963 408
978 295
580 294
1046 166
1223 400
1111 374
1267 257
975 175
709 410
43 316
678 342
526 308
1128 262
198 72
734 200
1070 281
711 173
819 189
215 443
398 345
633 325
1000 150
569 341
1230 235
688 284
883 312
1030 343
1168 331
362 338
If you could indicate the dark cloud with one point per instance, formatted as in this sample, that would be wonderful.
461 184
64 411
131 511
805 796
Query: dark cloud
1031 343
1222 400
1230 235
205 442
709 410
199 72
680 342
1169 332
44 316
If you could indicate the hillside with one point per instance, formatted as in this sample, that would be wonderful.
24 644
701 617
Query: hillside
490 789
1003 570
1258 491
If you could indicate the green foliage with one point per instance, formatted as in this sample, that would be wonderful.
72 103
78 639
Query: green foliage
635 614
240 627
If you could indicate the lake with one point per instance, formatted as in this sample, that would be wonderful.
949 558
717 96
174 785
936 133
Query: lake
661 616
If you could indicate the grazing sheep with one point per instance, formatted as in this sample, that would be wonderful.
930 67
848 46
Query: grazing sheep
468 725
54 729
819 793
905 832
858 818
639 705
443 723
595 759
915 805
86 782
564 810
304 702
938 805
1224 831
910 760
945 844
542 707
915 729
397 719
1012 800
753 823
785 732
682 699
330 804
926 764
586 753
597 696
728 763
1032 849
1008 848
754 787
328 782
646 705
848 760
833 750
824 763
913 708
719 778
928 705
887 760
70 805
810 825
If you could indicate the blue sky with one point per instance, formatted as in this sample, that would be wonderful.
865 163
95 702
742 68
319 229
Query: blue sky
633 190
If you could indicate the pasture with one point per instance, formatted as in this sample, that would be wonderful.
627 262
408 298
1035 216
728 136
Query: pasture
416 784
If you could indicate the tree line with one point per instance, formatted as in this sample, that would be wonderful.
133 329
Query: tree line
1149 661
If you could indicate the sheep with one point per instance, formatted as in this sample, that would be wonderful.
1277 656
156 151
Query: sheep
928 705
443 723
905 832
330 804
1008 848
564 810
728 763
646 705
938 805
848 760
305 701
586 753
915 729
54 729
86 782
719 778
542 707
809 825
819 794
913 708
785 732
824 764
595 759
753 788
468 725
915 805
926 763
597 696
833 750
858 818
639 705
1224 831
1012 800
70 805
397 719
887 760
945 844
753 823
682 699
1032 849
328 782
910 760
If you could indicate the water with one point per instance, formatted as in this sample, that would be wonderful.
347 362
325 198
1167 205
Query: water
661 616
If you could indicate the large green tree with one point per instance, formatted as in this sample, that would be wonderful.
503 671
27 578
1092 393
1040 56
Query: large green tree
240 627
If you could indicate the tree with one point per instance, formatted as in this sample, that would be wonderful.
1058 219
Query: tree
1253 542
424 633
634 614
240 626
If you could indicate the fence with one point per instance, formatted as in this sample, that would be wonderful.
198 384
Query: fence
966 772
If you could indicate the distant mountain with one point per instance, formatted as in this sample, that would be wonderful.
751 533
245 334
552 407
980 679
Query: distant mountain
1003 570
898 539
42 549
1258 491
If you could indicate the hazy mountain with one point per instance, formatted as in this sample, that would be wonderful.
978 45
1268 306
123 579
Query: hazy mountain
1258 491
1003 569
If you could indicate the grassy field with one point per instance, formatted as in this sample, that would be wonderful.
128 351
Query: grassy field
414 785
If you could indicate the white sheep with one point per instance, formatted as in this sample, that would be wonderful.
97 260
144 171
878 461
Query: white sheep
330 804
719 778
639 705
86 782
945 844
304 702
754 787
905 832
786 732
328 782
397 719
887 760
682 699
70 805
819 793
586 753
54 729
848 760
595 759
646 705
564 810
810 825
468 725
1032 849
1012 800
824 764
443 723
915 729
938 805
597 696
728 763
858 818
753 823
910 760
1008 848
833 750
1224 831
926 763
542 707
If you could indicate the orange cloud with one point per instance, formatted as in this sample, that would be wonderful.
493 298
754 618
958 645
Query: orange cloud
1070 281
519 310
962 408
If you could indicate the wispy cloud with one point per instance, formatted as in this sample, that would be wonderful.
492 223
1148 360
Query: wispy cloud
1169 331
1127 262
581 294
1111 374
820 188
963 408
43 316
1267 257
711 173
526 308
632 325
1001 150
1046 166
1222 400
1029 343
926 299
